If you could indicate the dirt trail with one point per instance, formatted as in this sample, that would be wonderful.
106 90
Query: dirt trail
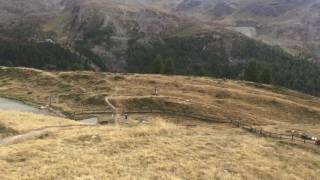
35 134
110 104
23 137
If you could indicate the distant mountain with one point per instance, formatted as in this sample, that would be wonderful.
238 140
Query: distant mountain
292 24
201 37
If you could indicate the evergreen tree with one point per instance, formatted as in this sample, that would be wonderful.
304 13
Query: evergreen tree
158 66
251 72
168 66
265 76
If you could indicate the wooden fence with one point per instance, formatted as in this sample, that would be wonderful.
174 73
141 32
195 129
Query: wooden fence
291 137
249 128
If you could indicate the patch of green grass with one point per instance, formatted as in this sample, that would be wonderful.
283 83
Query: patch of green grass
223 94
118 78
96 100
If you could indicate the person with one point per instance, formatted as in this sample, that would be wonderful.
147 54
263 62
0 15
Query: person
126 116
155 91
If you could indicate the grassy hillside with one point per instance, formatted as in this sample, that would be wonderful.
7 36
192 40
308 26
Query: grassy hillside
156 149
162 146
86 92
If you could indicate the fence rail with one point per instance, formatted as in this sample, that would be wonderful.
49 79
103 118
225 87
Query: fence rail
261 132
248 127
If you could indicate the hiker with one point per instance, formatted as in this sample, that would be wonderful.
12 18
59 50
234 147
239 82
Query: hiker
155 91
126 116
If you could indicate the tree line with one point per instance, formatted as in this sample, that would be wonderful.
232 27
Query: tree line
40 55
219 55
230 56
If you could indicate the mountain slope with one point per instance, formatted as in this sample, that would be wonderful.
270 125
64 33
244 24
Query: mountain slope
128 36
42 55
157 149
225 99
292 24
22 19
224 55
152 145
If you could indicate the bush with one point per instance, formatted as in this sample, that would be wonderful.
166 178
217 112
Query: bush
223 94
118 78
96 100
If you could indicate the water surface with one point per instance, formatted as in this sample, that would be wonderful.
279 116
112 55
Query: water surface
13 105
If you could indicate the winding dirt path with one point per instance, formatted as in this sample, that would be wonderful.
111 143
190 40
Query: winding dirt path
110 104
35 134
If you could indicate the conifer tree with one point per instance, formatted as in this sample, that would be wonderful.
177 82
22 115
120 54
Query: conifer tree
158 66
251 72
168 66
265 76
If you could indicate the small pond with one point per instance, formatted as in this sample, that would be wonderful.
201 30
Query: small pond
13 105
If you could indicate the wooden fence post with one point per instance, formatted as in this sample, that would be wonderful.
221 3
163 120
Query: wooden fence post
50 101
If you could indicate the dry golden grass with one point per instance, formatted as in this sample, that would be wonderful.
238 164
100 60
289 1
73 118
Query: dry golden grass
161 148
85 91
24 122
157 149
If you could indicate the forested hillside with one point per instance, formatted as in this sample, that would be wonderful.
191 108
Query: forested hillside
221 55
151 37
40 55
225 56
